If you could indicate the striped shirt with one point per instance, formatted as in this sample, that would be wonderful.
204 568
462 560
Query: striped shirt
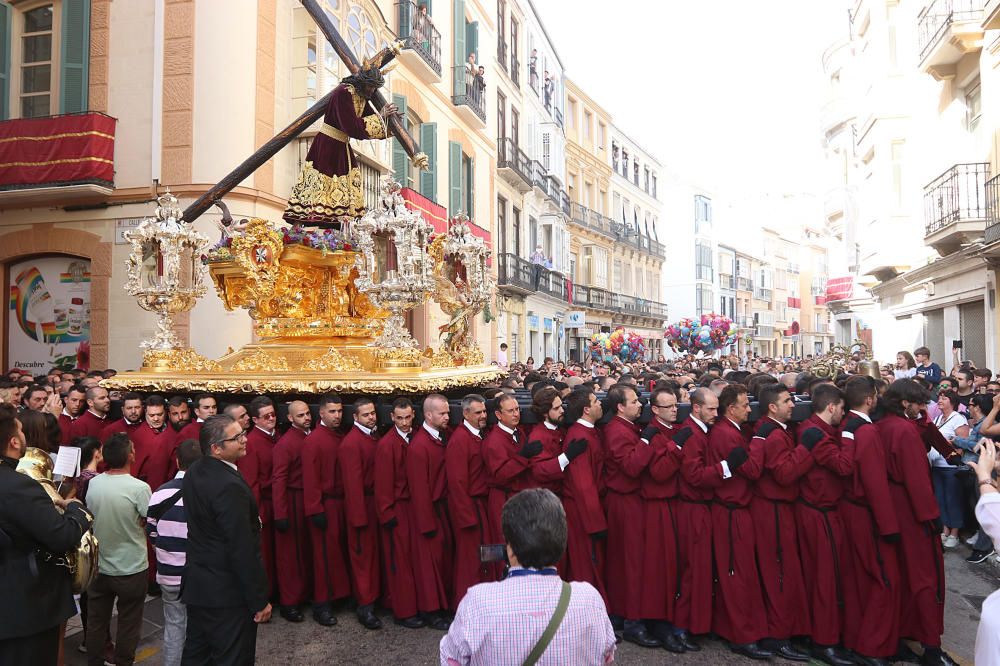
499 623
169 533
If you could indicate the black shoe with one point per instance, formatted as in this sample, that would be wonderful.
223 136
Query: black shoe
324 616
291 613
367 618
671 643
410 622
830 655
786 650
751 650
905 654
435 621
635 632
978 556
936 657
687 640
862 660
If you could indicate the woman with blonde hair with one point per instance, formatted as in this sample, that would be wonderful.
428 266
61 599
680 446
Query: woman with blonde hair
906 365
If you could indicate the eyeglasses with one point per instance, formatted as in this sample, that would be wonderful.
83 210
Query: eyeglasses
235 438
663 406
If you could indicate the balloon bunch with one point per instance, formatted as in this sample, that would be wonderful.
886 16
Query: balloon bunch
707 333
621 344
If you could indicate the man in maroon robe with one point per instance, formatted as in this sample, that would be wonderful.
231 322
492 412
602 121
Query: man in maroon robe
586 524
323 504
548 408
155 442
93 421
699 479
782 464
430 527
131 417
822 536
292 544
257 468
467 494
75 404
392 508
356 461
872 590
204 407
507 454
627 458
913 498
740 616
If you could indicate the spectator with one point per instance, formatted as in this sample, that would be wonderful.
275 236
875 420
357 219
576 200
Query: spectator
118 501
166 524
479 85
502 357
503 623
988 514
90 458
981 379
965 379
929 371
41 430
947 487
533 61
34 398
983 410
906 366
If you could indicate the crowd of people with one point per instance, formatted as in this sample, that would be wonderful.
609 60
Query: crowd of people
783 533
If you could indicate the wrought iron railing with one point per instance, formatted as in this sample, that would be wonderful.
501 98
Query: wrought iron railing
510 156
513 271
417 32
938 19
992 191
469 89
957 194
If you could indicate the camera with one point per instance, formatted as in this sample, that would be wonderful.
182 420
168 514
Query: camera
492 552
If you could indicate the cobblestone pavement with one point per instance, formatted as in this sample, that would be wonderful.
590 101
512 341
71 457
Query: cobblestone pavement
281 642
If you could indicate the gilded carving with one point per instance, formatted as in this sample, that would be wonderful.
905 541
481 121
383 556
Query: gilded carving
185 359
330 196
261 361
332 361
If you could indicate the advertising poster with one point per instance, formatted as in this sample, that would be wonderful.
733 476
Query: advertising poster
49 322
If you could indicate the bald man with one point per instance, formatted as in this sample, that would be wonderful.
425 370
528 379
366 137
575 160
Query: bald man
292 543
93 421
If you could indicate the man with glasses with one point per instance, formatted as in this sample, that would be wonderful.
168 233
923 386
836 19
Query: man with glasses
256 467
225 586
292 543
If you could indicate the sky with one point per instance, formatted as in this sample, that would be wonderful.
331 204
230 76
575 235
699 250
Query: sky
725 93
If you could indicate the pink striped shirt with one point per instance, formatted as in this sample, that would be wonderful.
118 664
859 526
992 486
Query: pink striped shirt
499 623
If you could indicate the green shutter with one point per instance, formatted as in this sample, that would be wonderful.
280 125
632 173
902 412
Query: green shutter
428 144
406 12
454 178
400 160
75 56
472 189
4 58
461 55
472 39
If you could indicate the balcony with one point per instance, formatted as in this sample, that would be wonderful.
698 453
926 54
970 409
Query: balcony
60 160
955 207
727 281
513 164
533 78
948 30
992 190
763 294
521 276
589 219
468 95
421 42
744 283
794 302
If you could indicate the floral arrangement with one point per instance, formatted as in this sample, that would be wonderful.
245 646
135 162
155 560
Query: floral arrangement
325 240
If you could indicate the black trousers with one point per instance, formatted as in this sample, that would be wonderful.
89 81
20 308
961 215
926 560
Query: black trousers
41 649
220 636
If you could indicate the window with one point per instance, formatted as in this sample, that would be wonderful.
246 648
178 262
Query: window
702 214
588 120
704 300
973 106
546 151
617 277
533 240
602 132
502 117
571 113
37 63
501 38
501 225
654 186
515 65
703 260
897 172
635 172
468 186
600 267
515 127
515 231
616 209
647 180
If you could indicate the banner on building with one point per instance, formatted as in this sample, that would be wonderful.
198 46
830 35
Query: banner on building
575 319
49 322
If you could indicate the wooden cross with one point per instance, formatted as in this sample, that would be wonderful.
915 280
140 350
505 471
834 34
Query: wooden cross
300 124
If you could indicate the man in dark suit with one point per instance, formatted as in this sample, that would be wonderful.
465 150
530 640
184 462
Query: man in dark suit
37 594
224 584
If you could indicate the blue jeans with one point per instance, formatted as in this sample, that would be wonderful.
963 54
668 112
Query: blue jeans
174 624
950 498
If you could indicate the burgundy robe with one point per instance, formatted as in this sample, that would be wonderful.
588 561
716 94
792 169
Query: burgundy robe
257 468
586 524
740 615
323 493
700 476
507 472
88 425
153 451
627 459
661 552
775 534
872 590
822 535
913 498
467 494
65 428
293 546
356 461
430 528
392 503
121 425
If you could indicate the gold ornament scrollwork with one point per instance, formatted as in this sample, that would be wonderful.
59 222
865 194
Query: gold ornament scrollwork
262 361
332 361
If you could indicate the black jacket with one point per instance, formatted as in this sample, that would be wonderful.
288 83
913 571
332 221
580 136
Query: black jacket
224 566
36 595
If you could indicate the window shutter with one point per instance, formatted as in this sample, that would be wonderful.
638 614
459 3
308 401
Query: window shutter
472 189
400 160
428 144
472 39
461 54
4 58
75 56
454 178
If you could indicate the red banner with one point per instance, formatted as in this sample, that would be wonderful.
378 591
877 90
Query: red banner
436 214
57 150
839 289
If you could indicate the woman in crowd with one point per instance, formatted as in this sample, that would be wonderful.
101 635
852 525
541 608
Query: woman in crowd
41 430
906 365
947 486
983 411
90 459
988 514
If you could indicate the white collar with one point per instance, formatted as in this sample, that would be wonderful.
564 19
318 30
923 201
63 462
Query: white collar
474 431
735 424
199 420
862 415
549 425
180 473
269 434
433 431
69 416
304 432
404 435
700 423
784 426
585 423
507 430
367 431
669 426
131 423
229 463
97 415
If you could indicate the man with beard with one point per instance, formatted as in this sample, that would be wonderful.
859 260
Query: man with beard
75 404
91 423
356 461
179 412
204 407
912 492
257 467
323 500
430 529
154 443
130 421
292 544
392 503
